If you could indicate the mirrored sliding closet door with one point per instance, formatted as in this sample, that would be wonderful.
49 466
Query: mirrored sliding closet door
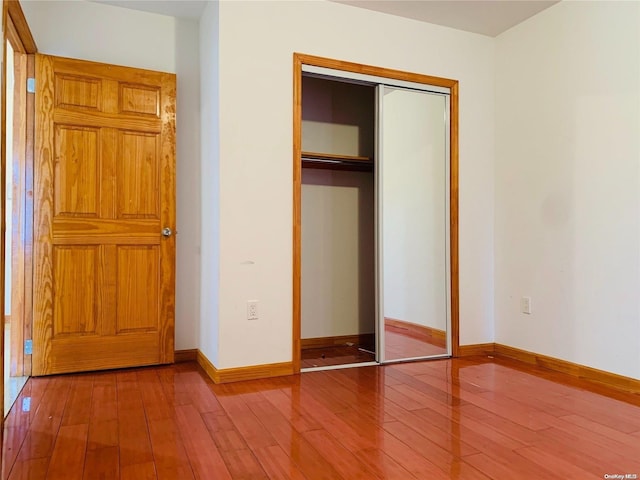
412 223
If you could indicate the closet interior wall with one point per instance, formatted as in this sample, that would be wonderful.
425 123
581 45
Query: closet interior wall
338 246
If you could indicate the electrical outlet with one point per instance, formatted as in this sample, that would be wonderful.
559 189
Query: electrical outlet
525 305
252 310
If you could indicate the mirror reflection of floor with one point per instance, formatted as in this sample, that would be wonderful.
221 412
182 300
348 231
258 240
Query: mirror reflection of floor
405 343
12 385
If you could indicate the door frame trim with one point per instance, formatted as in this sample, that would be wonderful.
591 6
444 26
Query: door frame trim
300 59
17 28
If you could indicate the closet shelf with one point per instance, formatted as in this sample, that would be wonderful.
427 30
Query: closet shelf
336 162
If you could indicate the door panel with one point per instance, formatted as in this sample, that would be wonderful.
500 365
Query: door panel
413 181
74 289
138 273
75 176
77 92
104 190
137 175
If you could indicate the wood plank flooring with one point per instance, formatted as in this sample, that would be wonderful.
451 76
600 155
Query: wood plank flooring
475 419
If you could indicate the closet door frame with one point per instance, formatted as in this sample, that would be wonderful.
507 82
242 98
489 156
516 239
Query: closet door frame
309 60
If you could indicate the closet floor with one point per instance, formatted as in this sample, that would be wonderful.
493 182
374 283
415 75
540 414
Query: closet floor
337 355
398 344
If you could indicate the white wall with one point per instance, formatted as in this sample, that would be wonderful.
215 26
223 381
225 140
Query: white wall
257 40
210 183
338 282
121 36
568 184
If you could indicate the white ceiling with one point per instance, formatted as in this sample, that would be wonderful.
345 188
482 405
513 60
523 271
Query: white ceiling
488 17
173 8
478 16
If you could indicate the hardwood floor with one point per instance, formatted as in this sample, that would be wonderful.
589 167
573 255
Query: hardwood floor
473 418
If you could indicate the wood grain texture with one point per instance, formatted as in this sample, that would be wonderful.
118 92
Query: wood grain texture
16 32
181 356
18 216
104 190
137 278
75 290
333 156
401 343
612 380
372 70
476 349
297 212
472 418
3 173
300 59
168 215
75 173
43 209
28 206
13 37
138 175
76 91
454 265
15 13
206 365
139 99
68 456
581 372
254 372
318 342
335 355
435 336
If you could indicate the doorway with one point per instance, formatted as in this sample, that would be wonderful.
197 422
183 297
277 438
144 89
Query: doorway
14 377
17 152
338 256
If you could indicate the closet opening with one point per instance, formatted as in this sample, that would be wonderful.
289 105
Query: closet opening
18 201
375 270
338 257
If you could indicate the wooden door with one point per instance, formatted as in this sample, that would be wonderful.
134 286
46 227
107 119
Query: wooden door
104 187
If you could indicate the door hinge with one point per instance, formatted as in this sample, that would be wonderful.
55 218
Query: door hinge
31 85
28 347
